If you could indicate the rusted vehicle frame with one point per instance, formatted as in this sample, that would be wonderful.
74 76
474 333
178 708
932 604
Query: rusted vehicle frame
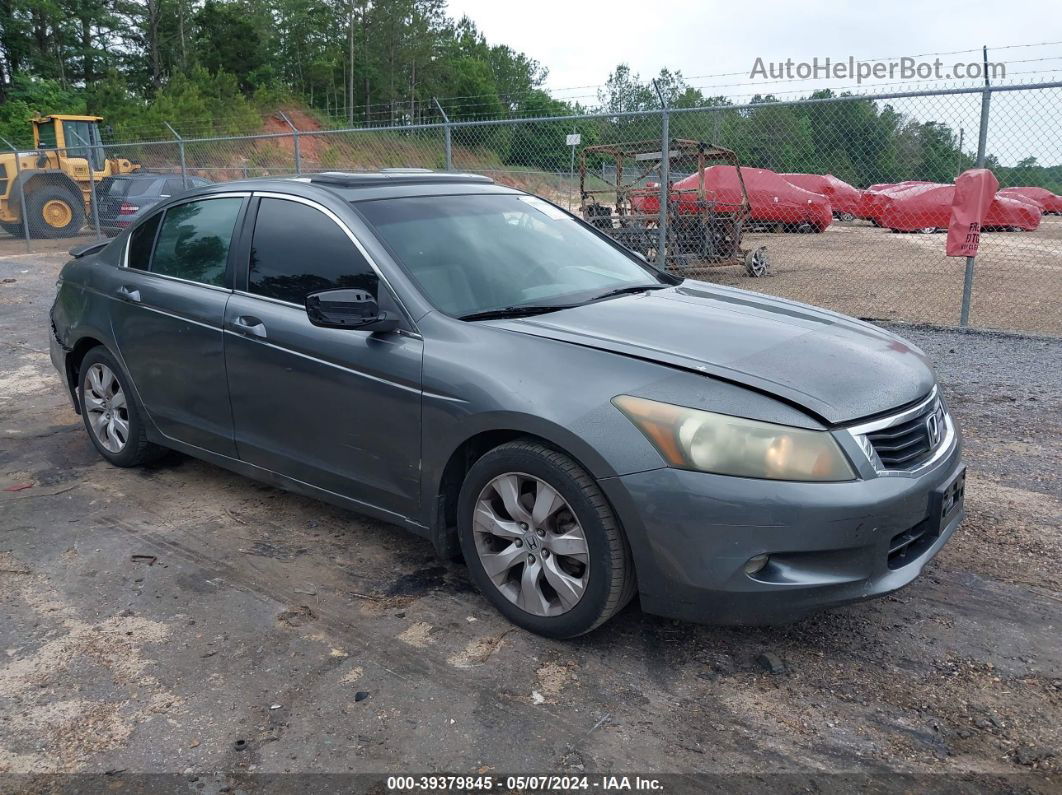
708 236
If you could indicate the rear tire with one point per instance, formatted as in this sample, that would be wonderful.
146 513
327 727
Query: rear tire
519 554
111 412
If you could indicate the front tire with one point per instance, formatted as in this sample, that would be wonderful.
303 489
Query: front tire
112 415
54 213
541 542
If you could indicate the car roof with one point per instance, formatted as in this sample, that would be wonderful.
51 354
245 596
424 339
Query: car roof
365 186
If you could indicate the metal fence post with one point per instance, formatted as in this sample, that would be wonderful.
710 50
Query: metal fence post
447 140
665 178
21 193
93 204
180 149
295 138
982 142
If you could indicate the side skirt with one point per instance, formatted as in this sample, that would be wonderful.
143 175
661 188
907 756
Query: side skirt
289 484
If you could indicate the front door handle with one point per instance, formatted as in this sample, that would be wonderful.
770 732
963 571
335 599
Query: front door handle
252 326
129 294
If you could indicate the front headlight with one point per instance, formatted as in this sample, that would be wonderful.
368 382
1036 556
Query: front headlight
709 442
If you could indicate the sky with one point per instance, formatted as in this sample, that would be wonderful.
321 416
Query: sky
581 42
715 45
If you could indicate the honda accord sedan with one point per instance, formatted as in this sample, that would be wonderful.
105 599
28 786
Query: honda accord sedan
477 365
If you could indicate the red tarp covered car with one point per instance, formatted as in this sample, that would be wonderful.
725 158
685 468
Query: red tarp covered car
871 199
1051 202
772 200
926 208
844 198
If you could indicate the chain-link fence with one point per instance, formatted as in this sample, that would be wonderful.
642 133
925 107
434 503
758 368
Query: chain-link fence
837 201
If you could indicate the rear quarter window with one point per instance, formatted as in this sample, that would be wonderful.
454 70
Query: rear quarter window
141 241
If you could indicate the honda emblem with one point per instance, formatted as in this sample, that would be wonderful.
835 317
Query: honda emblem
933 429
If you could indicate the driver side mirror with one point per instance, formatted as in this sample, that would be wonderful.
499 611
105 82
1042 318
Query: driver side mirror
348 308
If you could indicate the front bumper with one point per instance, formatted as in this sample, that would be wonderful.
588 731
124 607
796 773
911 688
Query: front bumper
692 533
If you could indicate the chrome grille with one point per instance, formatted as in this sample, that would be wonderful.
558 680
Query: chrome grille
908 439
909 443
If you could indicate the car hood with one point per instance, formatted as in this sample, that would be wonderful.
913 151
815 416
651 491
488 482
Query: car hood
835 367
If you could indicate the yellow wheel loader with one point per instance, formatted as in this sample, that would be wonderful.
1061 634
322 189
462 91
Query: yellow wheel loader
55 176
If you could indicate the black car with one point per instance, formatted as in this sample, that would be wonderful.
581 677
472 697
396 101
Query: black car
122 199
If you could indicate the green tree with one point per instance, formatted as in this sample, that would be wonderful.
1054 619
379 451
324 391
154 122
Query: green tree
226 40
29 95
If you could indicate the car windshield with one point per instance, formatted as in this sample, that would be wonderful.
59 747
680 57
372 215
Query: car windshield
473 254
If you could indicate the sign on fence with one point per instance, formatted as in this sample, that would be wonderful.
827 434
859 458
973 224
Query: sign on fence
975 190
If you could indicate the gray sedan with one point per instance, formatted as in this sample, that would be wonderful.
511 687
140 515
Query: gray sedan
124 198
476 365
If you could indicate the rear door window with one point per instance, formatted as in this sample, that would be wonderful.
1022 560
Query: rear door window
194 240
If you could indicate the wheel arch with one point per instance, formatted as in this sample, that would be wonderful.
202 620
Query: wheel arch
33 181
446 485
74 357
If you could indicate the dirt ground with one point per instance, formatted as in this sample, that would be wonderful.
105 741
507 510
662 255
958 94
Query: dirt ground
185 620
868 272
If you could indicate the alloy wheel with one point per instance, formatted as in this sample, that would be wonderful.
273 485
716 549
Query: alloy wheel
531 544
757 264
106 408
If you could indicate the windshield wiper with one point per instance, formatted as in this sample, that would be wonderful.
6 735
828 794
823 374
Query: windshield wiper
524 310
637 288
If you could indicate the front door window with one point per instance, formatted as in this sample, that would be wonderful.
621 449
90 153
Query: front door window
298 250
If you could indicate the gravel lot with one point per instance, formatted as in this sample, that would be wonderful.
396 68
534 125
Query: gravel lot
868 272
184 619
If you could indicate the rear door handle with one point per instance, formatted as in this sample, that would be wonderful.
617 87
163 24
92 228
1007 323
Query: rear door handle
129 294
252 326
